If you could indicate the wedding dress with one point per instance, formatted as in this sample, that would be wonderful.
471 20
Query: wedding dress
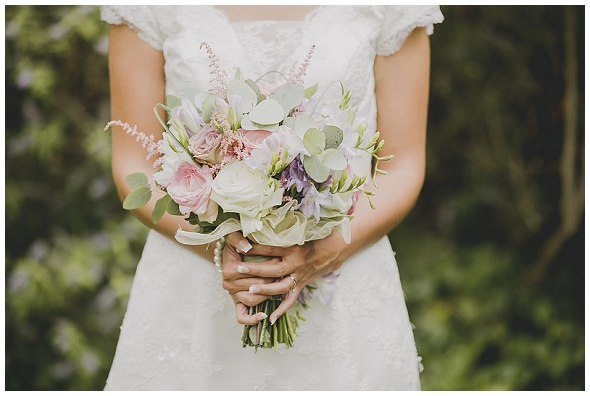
180 331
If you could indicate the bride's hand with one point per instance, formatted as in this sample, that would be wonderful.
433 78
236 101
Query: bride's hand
303 263
237 280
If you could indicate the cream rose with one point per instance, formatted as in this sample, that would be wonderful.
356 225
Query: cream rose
239 189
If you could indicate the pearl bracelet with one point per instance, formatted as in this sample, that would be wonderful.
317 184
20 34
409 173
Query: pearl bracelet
217 254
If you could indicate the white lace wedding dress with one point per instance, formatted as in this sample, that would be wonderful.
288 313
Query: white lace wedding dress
180 332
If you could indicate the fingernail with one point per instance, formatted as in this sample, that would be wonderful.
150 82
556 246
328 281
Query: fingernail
242 269
244 246
273 320
263 315
254 289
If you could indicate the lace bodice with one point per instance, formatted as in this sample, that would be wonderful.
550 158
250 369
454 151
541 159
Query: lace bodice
180 331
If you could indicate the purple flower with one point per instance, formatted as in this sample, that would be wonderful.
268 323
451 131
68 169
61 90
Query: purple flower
311 201
296 176
322 287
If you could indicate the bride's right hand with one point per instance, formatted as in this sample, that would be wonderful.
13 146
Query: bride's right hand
237 282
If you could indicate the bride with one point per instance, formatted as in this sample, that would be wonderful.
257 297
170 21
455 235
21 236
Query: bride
184 320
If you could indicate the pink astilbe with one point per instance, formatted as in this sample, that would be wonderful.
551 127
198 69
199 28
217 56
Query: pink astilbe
219 74
296 79
233 147
146 141
222 122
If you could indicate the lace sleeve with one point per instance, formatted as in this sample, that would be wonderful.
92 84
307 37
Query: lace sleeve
400 21
141 19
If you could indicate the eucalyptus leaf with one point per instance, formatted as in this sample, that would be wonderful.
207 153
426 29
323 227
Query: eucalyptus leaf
137 198
172 101
200 98
288 96
261 97
160 208
310 91
243 90
173 209
136 180
289 122
334 159
314 141
302 123
190 93
315 168
267 112
334 136
209 106
252 84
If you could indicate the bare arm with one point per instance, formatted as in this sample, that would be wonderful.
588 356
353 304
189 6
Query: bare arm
402 89
137 85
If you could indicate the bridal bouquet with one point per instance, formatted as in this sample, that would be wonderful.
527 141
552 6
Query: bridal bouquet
270 161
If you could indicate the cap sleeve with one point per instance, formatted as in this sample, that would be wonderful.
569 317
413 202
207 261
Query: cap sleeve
400 21
141 19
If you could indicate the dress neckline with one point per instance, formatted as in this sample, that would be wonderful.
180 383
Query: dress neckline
308 17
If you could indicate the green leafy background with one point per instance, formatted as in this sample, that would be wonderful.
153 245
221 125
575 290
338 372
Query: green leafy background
491 258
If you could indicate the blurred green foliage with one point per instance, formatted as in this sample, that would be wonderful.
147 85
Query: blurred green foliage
489 204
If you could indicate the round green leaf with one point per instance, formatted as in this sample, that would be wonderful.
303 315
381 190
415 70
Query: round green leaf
243 90
267 112
136 180
209 106
302 123
314 141
160 208
334 136
137 198
288 96
173 208
316 169
334 159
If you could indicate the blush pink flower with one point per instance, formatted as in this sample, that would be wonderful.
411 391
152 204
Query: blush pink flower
190 187
204 145
255 138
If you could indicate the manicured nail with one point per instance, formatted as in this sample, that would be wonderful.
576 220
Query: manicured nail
244 246
242 269
263 315
254 289
273 320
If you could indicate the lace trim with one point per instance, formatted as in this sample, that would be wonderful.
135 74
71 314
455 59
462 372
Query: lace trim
112 17
393 44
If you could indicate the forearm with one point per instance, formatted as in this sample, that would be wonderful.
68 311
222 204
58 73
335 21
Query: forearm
137 84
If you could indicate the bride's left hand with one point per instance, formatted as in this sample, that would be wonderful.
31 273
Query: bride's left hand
302 262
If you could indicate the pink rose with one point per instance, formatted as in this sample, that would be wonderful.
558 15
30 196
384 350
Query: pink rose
255 138
190 188
204 145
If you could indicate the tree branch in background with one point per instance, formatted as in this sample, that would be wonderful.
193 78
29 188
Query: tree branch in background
571 203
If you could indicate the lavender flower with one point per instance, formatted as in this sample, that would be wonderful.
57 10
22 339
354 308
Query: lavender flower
295 175
311 201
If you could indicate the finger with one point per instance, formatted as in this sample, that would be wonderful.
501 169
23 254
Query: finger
243 284
243 316
288 300
255 269
249 299
283 286
265 250
275 268
237 240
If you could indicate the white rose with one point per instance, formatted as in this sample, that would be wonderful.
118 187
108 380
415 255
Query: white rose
239 189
